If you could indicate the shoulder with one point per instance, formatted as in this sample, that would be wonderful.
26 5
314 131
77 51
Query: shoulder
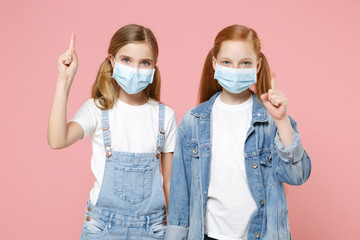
188 121
203 110
169 112
90 109
92 104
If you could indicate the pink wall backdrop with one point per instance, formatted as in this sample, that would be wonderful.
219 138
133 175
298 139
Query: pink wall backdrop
312 45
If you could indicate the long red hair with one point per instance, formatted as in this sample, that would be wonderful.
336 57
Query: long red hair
209 86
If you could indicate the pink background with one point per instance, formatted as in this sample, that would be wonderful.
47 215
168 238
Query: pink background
312 45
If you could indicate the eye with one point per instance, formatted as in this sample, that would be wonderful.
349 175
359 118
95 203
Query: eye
125 60
246 63
226 63
145 63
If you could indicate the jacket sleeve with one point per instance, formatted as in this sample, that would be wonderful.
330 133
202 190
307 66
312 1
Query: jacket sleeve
178 210
292 163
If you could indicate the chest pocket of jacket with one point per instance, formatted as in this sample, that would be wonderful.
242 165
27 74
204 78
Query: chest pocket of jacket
267 170
194 153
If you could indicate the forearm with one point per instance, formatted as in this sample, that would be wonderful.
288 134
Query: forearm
57 127
166 188
166 164
58 130
285 131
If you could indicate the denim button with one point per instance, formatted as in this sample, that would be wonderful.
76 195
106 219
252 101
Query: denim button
89 209
254 165
195 151
87 218
257 235
291 157
262 202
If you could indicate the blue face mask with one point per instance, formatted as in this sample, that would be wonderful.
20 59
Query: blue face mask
235 80
132 80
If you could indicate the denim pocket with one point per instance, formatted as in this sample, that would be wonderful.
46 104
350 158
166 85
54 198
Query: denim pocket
157 230
267 170
93 226
194 150
133 184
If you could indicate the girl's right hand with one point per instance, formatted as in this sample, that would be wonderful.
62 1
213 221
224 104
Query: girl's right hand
60 133
67 64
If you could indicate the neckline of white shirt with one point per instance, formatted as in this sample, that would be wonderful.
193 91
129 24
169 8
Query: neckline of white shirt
234 107
124 105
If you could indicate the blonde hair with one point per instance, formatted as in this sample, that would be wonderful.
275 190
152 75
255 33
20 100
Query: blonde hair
105 89
209 86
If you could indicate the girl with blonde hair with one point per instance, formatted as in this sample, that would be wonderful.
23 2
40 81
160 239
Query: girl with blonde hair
132 133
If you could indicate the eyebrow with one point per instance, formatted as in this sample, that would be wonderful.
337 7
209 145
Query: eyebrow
124 56
225 58
145 59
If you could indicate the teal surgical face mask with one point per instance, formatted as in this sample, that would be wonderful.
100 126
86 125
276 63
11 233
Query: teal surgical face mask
235 80
132 80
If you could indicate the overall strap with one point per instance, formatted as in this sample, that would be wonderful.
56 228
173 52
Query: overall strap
106 131
161 135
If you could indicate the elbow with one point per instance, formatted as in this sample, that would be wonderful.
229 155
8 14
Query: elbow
299 181
306 170
55 144
301 176
295 181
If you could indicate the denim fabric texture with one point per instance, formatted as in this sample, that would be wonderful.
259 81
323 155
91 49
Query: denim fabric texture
268 165
131 203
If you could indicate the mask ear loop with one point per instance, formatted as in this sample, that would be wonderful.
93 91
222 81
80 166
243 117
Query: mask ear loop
113 67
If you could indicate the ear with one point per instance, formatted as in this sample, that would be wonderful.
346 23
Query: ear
214 63
111 58
258 66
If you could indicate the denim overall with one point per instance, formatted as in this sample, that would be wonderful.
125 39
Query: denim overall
131 200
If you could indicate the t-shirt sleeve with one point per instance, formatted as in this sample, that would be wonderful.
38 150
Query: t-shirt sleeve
170 133
86 117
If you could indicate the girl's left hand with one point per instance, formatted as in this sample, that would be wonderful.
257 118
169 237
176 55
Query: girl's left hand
275 101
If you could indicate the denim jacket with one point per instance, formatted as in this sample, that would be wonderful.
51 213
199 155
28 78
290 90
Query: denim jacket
268 165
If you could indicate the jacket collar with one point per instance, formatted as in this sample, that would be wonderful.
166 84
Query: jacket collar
203 110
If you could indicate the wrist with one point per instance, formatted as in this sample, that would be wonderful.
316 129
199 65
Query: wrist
283 121
62 88
284 125
285 131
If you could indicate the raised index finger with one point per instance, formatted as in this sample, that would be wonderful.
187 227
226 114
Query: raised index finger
273 81
72 42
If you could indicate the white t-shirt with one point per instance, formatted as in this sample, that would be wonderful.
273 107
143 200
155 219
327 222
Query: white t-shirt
230 203
132 129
